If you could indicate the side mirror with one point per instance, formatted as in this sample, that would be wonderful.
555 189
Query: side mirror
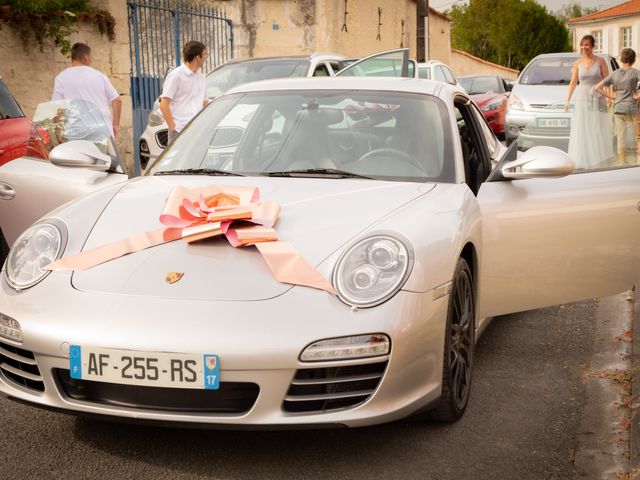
539 162
80 153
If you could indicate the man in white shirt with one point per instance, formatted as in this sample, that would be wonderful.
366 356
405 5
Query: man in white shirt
81 81
184 90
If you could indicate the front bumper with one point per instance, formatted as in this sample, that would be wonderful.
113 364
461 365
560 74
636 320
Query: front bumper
258 343
523 127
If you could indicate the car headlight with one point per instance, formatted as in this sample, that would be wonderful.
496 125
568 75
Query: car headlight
492 106
36 248
515 103
155 118
373 270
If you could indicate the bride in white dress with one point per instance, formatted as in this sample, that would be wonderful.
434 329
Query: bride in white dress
591 138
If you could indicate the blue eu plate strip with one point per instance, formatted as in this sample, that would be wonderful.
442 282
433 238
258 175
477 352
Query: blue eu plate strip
75 362
211 372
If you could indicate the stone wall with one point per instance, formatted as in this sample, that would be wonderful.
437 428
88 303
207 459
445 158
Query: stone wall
439 37
294 27
29 74
463 63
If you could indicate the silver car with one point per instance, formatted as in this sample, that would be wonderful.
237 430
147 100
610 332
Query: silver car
535 112
407 242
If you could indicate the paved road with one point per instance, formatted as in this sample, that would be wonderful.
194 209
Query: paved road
521 424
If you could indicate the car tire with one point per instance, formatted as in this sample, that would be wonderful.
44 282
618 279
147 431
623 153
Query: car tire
459 344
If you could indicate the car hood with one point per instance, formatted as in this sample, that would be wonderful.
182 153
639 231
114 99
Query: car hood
541 96
318 216
483 99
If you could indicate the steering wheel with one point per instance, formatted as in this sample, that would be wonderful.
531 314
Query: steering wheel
395 153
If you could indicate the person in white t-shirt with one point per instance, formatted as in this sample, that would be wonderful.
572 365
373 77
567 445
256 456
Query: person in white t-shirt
81 81
184 90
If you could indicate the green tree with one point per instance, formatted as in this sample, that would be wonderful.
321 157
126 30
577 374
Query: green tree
507 32
573 10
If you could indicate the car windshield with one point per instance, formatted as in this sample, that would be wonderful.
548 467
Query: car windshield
233 74
478 85
548 71
373 134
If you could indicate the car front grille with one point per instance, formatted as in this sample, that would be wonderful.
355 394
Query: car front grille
19 366
231 398
162 137
322 389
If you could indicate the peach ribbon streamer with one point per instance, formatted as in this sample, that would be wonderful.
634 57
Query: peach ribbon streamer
208 212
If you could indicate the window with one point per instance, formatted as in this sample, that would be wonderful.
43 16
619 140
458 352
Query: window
230 75
386 135
321 71
424 72
476 166
490 138
8 106
548 71
439 75
451 79
625 37
598 37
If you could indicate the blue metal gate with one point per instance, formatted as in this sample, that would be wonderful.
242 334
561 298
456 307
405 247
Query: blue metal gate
158 29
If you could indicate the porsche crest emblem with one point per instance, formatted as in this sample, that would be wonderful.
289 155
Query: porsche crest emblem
173 277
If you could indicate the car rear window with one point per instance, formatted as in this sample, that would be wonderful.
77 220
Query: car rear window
9 108
548 71
477 85
233 74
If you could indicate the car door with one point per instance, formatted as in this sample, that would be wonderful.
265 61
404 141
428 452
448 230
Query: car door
30 187
547 241
391 63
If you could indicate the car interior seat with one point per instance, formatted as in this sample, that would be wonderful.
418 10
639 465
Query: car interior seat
309 147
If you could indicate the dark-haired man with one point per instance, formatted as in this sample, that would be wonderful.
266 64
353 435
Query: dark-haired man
625 105
81 81
184 89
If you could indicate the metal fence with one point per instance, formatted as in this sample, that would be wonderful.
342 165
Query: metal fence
158 29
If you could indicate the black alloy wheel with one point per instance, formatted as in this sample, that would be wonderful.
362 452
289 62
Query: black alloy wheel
458 347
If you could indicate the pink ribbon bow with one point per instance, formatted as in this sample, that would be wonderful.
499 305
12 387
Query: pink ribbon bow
208 212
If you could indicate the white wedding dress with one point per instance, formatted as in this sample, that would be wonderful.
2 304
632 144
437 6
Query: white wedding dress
591 137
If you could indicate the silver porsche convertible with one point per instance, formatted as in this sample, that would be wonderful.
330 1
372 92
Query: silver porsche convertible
309 252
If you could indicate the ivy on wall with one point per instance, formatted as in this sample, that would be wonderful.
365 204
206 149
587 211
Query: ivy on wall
54 20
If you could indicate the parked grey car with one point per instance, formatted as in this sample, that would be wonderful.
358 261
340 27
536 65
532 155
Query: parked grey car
535 113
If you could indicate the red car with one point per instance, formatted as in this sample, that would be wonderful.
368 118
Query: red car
490 93
14 127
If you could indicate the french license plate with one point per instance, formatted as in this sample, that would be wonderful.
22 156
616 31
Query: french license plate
152 369
554 122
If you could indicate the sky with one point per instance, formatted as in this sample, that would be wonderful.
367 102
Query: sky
551 5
